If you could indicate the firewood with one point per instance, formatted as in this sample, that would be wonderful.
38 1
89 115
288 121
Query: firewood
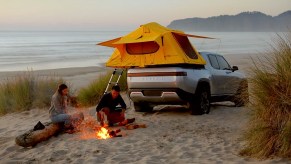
135 126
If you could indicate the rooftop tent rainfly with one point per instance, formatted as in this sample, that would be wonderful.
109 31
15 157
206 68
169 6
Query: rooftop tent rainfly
153 44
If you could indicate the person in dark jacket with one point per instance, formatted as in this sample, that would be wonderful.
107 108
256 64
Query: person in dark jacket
112 105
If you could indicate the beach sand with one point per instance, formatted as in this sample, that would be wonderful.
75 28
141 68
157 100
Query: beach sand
172 134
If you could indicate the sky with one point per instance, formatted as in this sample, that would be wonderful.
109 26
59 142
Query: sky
120 14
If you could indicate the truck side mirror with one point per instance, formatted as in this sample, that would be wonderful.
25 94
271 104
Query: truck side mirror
234 68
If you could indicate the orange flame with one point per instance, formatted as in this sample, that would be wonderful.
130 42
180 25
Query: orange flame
103 133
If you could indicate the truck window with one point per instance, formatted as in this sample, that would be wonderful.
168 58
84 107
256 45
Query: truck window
213 61
142 48
222 63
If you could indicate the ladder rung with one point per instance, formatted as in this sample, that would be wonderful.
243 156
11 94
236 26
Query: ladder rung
117 71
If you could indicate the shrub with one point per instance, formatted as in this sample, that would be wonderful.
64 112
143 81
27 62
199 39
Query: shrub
269 131
91 95
26 91
5 99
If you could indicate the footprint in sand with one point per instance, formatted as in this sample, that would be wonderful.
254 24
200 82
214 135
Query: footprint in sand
12 148
59 153
2 129
4 140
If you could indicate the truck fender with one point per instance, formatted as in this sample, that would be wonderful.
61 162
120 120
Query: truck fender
203 83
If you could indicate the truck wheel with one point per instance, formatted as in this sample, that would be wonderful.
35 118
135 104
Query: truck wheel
201 103
142 107
241 97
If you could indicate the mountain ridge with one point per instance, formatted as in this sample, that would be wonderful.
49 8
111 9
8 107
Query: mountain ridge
245 22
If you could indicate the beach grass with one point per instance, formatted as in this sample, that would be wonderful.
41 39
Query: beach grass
45 88
269 130
91 95
26 91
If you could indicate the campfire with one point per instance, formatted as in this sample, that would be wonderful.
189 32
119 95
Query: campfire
99 133
104 133
91 130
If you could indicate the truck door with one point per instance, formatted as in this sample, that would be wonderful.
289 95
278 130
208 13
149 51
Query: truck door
228 80
217 75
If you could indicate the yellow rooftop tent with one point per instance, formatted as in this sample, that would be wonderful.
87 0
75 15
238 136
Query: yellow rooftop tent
153 44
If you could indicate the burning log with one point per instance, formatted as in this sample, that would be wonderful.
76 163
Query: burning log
104 133
114 133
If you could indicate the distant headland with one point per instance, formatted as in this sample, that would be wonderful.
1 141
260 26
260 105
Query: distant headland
242 22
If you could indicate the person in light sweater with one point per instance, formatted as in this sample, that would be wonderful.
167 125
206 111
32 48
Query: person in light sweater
58 110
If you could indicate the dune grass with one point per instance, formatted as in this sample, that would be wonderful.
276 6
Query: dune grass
269 131
91 95
26 91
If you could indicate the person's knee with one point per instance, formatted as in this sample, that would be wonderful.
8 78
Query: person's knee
61 118
106 110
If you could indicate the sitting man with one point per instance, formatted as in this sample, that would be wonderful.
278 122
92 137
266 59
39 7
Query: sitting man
113 106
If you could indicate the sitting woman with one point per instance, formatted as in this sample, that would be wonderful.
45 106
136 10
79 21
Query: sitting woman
58 110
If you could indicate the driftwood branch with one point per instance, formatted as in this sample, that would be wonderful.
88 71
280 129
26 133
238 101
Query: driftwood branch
32 138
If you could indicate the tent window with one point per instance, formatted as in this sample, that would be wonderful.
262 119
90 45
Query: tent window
142 48
186 46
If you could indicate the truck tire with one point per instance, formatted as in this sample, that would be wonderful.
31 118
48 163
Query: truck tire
201 103
241 97
142 107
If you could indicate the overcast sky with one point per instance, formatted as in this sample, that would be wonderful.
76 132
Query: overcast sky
120 14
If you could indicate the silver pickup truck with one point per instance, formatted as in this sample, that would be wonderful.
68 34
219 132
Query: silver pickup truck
195 86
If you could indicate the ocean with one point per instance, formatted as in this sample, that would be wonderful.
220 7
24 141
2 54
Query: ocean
35 50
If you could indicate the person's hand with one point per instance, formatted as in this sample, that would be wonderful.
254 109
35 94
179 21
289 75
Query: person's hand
100 116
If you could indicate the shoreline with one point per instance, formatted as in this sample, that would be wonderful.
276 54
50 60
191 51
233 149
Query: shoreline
81 76
70 71
231 58
77 76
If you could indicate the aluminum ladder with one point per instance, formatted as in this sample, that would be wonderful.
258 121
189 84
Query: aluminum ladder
116 73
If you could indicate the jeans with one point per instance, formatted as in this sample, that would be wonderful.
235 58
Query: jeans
62 118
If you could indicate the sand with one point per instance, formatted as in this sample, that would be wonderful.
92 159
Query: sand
172 134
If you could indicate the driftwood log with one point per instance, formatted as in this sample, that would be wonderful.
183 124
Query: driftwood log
33 137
